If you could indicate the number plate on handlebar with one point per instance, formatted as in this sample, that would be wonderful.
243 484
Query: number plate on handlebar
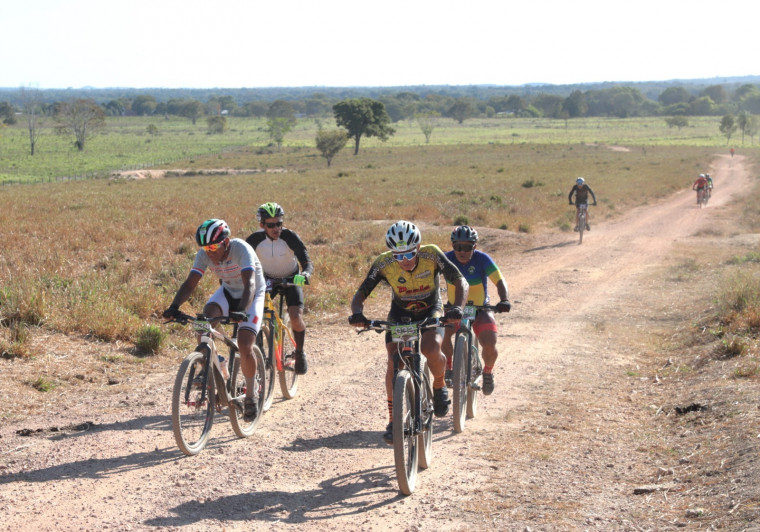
402 333
469 312
202 327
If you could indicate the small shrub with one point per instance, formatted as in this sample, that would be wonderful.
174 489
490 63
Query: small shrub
457 192
43 384
503 226
524 228
150 339
461 220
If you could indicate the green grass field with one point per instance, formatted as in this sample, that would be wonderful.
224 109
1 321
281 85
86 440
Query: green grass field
126 144
102 257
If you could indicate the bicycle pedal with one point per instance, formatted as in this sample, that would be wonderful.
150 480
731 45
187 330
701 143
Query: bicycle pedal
477 384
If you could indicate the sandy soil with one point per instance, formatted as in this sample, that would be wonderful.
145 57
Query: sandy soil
570 439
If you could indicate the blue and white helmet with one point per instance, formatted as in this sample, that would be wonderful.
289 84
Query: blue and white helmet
402 236
580 181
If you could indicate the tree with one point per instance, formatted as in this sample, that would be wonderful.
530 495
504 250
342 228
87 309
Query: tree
716 93
281 118
144 105
427 122
462 109
216 124
34 113
7 113
728 127
192 109
743 121
702 106
329 143
673 95
575 105
83 118
363 117
677 121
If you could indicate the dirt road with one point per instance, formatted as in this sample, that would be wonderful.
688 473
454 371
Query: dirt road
553 448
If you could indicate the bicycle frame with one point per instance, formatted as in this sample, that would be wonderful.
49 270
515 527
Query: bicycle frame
274 315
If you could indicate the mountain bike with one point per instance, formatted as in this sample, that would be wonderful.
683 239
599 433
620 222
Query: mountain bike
467 373
412 400
582 218
201 387
274 339
701 197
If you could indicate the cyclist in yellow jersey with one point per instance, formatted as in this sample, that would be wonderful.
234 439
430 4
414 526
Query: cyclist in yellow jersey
411 270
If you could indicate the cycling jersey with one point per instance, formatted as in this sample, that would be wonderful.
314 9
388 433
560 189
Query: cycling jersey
700 183
280 258
415 291
240 258
581 194
477 272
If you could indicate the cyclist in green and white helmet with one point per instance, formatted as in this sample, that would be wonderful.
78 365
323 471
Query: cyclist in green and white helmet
283 255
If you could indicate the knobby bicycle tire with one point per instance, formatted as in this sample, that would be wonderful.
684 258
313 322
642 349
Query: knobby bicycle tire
240 426
265 344
425 441
192 413
581 226
460 382
405 452
288 376
476 370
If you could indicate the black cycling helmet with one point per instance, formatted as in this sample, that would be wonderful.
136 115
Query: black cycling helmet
464 233
212 231
269 210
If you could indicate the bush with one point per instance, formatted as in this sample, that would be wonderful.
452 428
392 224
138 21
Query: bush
150 339
461 220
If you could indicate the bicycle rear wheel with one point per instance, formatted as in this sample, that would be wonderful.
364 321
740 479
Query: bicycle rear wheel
288 376
459 382
404 440
476 371
425 440
264 341
240 426
192 409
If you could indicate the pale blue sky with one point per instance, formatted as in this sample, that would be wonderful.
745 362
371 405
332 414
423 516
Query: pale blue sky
252 43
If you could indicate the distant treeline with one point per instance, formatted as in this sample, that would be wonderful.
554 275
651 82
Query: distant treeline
719 96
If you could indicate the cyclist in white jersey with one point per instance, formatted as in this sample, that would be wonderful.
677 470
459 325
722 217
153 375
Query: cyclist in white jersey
239 296
283 255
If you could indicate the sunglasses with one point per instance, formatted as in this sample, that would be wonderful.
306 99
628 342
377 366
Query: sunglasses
272 225
211 247
464 248
409 255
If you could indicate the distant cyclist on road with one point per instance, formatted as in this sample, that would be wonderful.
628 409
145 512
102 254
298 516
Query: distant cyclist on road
281 252
239 296
581 191
709 185
477 267
411 270
700 185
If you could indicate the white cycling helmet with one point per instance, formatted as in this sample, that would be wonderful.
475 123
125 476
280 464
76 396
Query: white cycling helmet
402 236
580 181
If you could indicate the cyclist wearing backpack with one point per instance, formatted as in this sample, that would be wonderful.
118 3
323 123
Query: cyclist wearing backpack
477 267
281 252
240 294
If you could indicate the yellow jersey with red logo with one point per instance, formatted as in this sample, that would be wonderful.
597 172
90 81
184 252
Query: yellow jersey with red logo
417 290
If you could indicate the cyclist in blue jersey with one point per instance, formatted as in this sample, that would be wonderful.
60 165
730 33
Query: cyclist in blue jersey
477 268
240 294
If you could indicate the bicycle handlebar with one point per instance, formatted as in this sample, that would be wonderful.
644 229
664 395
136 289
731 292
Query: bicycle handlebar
382 325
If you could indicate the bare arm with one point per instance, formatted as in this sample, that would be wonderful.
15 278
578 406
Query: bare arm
186 290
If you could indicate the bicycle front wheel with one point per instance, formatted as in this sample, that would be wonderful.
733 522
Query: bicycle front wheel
288 375
264 341
459 382
404 439
240 426
581 226
425 441
192 406
476 371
